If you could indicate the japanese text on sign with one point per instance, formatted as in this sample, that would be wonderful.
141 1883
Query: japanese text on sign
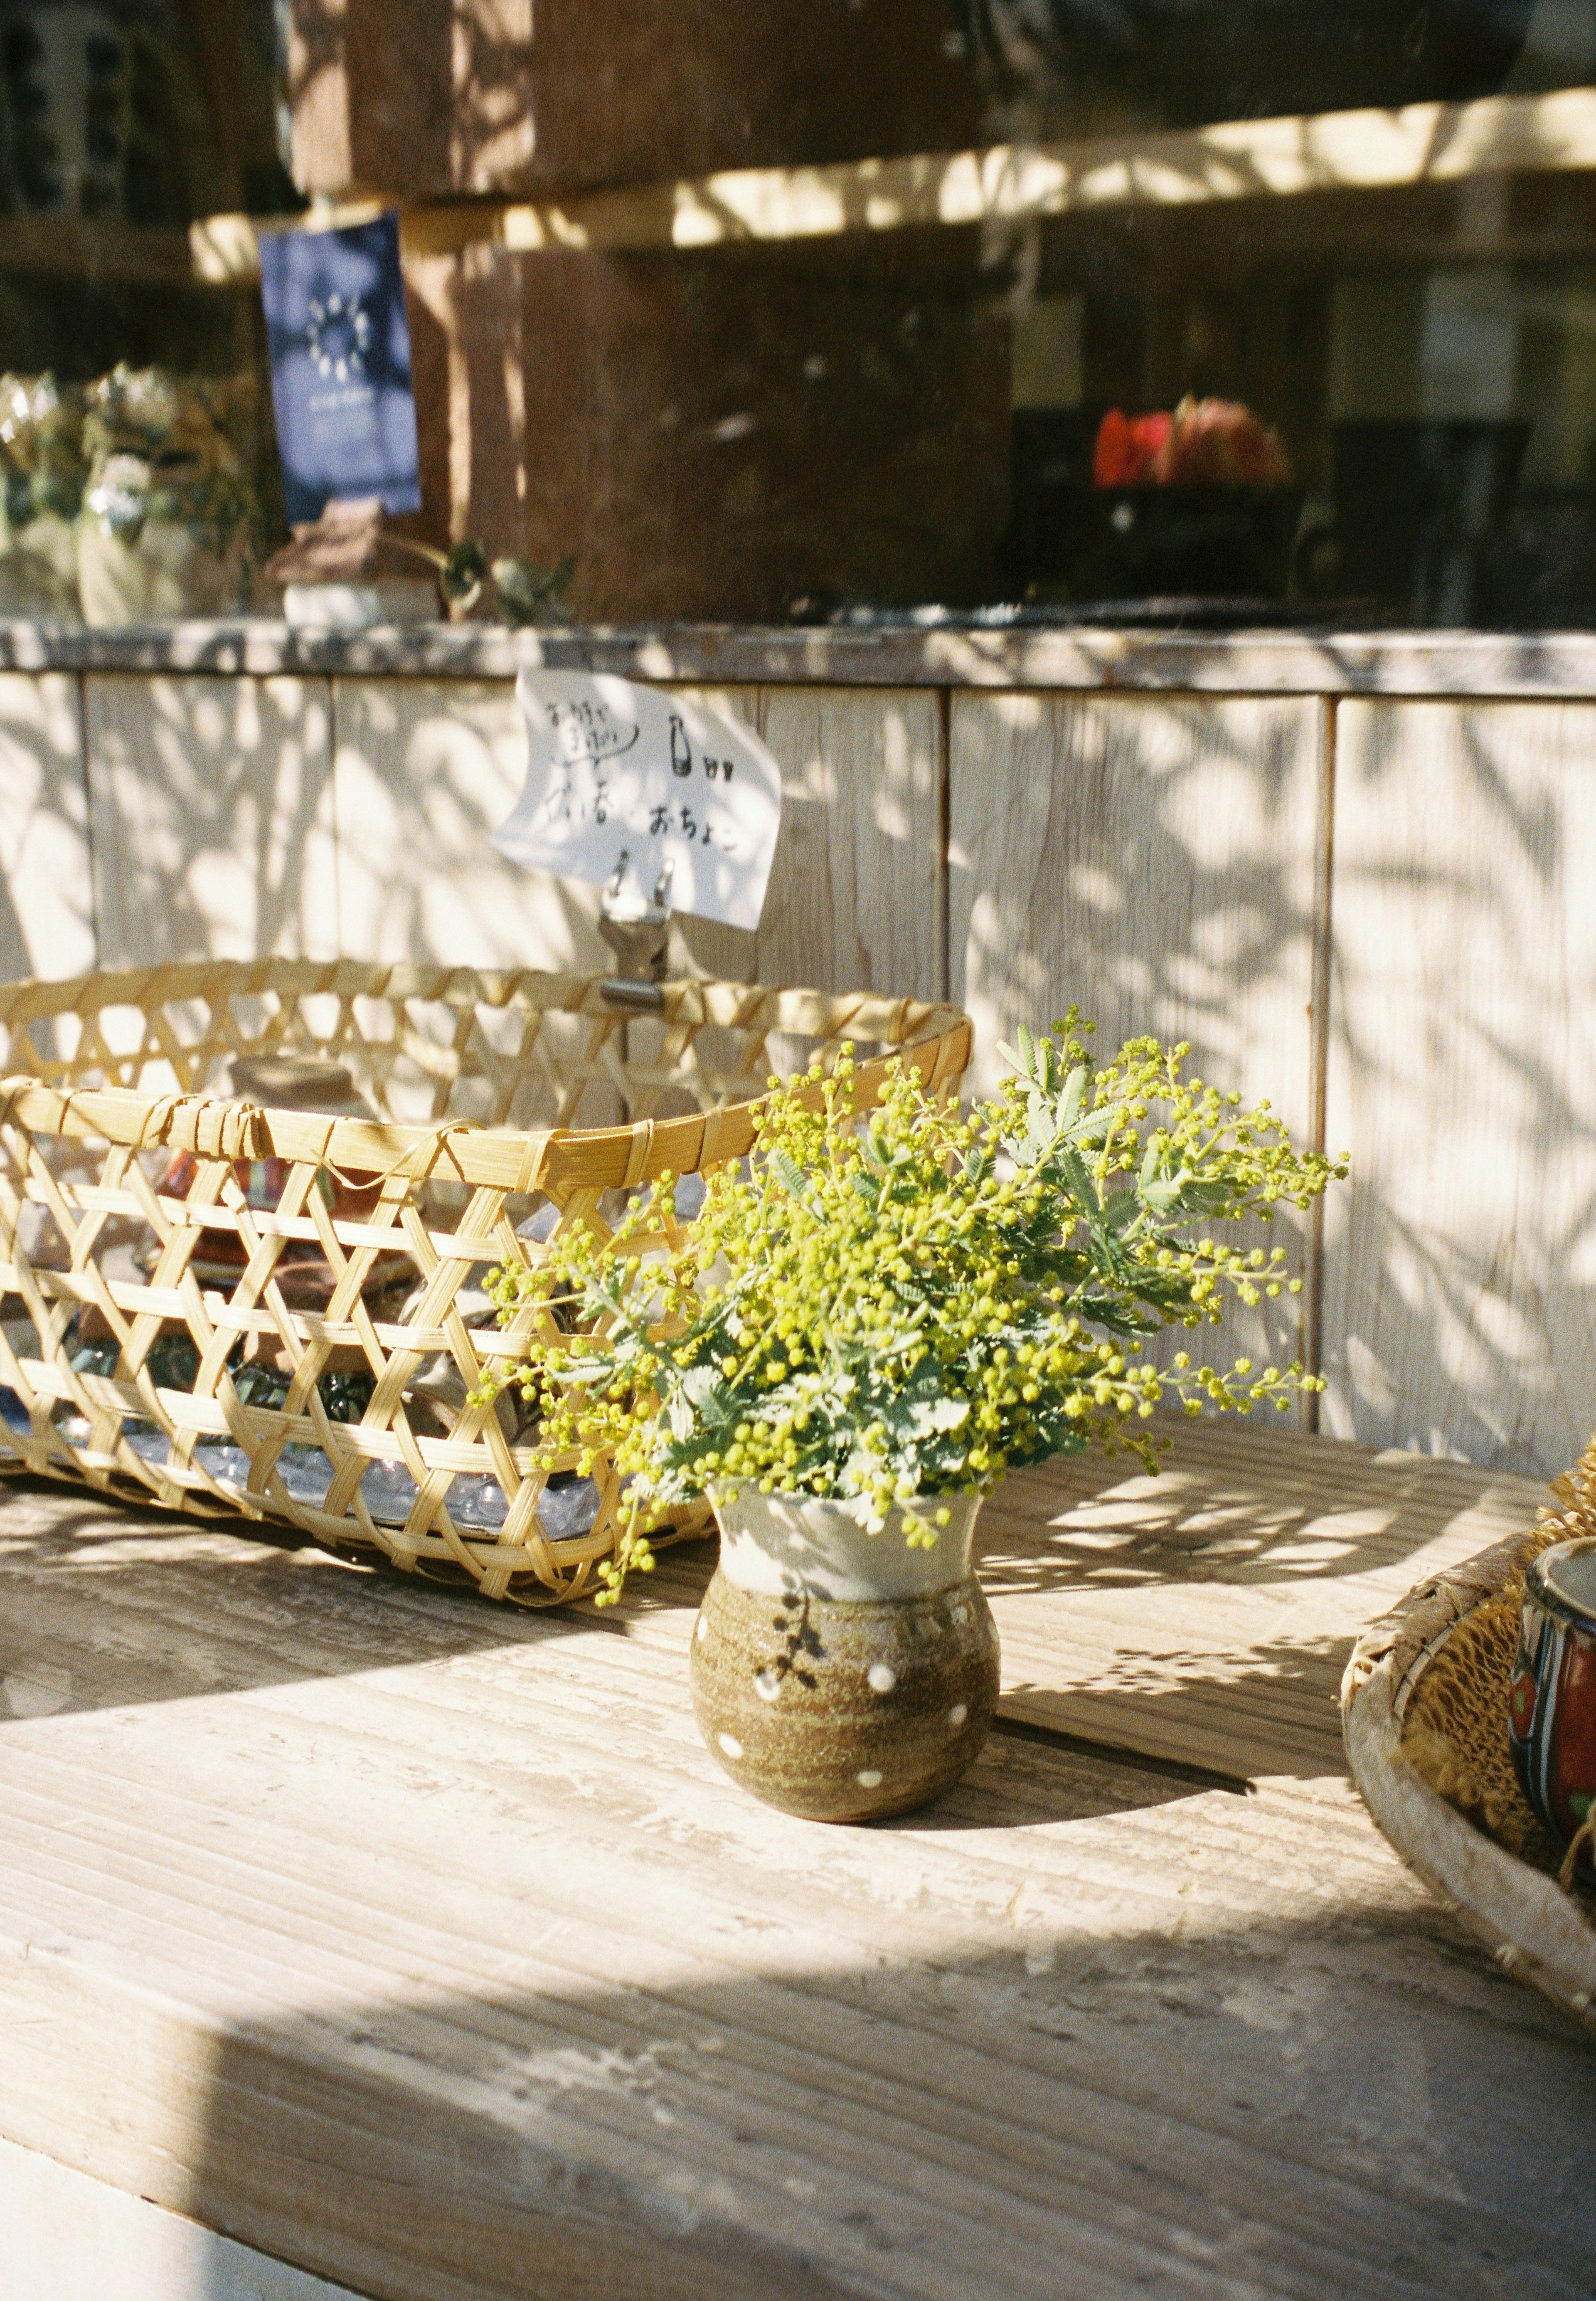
631 780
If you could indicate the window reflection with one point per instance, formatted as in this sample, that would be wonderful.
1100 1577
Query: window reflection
1289 379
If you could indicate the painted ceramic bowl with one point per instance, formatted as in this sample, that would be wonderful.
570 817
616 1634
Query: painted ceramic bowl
1551 1699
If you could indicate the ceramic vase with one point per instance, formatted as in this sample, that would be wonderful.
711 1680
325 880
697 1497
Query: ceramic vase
838 1674
1551 1698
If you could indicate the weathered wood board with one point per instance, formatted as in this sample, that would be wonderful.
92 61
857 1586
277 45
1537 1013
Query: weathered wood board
420 1943
1156 863
428 769
210 813
855 898
1160 857
1206 1615
46 893
425 773
1152 860
1459 1315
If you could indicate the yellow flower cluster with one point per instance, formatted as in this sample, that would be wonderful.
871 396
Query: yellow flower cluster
889 1305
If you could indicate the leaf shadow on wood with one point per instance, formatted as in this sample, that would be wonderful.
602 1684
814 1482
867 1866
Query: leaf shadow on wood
1152 860
1163 861
46 903
1268 1709
1461 1274
211 811
103 1609
1235 1504
103 1606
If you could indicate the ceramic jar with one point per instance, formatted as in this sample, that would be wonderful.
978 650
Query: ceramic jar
838 1674
1551 1698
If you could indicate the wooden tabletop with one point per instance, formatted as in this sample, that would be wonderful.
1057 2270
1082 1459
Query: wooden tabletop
420 1942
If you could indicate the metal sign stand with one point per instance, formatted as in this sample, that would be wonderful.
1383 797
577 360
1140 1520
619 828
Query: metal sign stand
640 940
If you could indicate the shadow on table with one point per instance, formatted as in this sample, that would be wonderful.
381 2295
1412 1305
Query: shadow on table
1268 1708
103 1609
103 1605
1248 1507
1354 2104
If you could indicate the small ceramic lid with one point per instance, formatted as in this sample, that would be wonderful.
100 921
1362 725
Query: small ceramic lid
297 1082
1565 1577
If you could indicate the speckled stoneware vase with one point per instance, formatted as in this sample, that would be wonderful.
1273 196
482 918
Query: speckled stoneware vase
838 1674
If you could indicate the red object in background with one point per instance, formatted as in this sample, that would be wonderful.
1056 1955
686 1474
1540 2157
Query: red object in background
1205 443
1128 447
1221 443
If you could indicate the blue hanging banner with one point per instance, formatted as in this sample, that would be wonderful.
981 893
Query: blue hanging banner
340 347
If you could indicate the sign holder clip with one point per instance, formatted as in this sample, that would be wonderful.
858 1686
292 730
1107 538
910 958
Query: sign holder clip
639 935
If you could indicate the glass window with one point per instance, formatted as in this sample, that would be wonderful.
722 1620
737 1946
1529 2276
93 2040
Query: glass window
1208 311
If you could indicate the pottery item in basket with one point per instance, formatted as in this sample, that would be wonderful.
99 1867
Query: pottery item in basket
304 1082
843 1675
1551 1700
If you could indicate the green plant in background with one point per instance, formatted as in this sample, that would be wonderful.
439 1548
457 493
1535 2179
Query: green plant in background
513 590
169 447
42 459
885 1307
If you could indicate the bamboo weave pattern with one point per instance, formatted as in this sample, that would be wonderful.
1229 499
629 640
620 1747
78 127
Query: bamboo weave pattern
310 1361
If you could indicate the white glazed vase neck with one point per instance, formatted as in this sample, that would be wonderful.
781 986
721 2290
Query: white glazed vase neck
780 1545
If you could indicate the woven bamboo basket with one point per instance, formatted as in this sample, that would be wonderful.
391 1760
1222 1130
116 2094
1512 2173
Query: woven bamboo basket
1424 1718
310 1362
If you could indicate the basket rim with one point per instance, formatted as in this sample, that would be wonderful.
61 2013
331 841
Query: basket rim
1533 1929
933 1037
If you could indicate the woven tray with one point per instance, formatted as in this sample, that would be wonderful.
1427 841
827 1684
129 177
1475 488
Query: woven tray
1423 1715
132 1357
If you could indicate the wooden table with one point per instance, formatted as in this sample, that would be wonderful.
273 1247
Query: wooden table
420 1941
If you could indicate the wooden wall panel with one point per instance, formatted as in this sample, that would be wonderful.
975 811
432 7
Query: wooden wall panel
856 896
1154 861
46 894
1461 1286
209 803
428 769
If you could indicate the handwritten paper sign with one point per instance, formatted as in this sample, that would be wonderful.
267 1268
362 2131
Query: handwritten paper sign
631 780
339 346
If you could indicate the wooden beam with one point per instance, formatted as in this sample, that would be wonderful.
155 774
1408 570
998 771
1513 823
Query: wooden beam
102 250
1236 160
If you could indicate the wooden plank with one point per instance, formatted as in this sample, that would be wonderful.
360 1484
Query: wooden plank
856 891
420 1944
210 807
46 899
424 774
1155 862
1459 1315
1206 1615
935 653
1244 160
427 770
